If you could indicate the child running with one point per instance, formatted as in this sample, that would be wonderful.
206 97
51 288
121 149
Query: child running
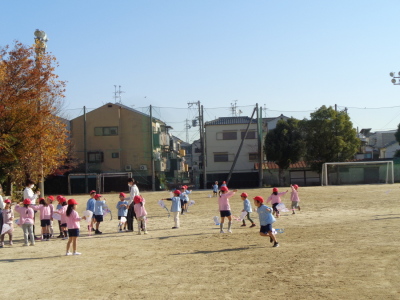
122 207
26 220
266 220
175 207
294 197
140 213
46 213
247 208
215 189
8 217
225 208
275 199
73 226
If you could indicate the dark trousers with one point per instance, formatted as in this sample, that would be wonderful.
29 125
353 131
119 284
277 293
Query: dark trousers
130 217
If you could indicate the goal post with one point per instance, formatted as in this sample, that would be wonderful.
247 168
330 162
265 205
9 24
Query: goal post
362 172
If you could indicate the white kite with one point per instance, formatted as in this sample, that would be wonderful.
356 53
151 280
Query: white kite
191 203
216 220
281 207
243 215
162 204
88 214
56 217
6 228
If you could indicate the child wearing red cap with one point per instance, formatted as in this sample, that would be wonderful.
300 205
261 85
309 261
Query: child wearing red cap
266 219
247 208
26 220
140 213
8 217
99 207
275 199
90 206
225 208
46 213
61 210
73 226
175 207
122 207
294 197
222 185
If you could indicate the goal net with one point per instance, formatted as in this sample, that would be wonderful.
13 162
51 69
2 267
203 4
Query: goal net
371 172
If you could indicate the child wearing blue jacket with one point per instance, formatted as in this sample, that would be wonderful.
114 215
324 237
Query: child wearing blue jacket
122 207
175 207
266 219
247 208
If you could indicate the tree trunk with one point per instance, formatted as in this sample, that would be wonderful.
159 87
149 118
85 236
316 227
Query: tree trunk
282 178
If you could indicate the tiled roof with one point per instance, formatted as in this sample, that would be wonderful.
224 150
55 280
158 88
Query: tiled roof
231 120
271 165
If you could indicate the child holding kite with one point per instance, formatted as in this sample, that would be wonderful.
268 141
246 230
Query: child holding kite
175 207
8 217
122 207
294 197
140 213
266 219
275 199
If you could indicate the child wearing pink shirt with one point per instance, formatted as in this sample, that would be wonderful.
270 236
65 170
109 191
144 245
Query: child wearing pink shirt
275 199
46 213
73 226
225 208
294 197
62 202
140 213
8 217
26 220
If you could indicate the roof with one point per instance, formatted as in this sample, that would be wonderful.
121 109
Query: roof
269 165
231 120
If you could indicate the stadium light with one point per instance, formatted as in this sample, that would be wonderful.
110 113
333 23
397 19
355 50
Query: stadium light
395 79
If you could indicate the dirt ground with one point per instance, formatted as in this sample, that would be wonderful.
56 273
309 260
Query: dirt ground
343 244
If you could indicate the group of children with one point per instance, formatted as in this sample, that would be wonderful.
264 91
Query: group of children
69 219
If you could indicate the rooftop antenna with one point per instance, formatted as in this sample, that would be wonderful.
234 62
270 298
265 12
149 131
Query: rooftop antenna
117 94
233 108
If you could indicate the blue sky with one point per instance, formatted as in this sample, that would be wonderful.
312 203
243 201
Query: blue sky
288 56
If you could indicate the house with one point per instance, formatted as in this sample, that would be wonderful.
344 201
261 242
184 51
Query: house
377 145
270 123
118 139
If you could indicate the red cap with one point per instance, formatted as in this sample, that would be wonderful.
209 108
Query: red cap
61 199
51 198
185 186
72 202
244 195
177 192
275 190
97 196
27 201
7 201
295 186
137 199
223 181
93 191
224 188
122 194
40 199
259 199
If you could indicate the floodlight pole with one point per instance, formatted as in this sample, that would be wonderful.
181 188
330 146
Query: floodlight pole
394 77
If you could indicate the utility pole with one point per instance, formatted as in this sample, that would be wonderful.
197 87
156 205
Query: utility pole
153 175
187 127
85 149
260 146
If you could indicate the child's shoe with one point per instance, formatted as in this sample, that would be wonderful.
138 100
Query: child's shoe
1 244
25 245
68 254
11 243
229 231
76 253
276 245
293 213
242 225
222 231
145 232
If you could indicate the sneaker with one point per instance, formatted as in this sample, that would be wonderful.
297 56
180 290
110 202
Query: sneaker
253 225
222 231
242 225
76 253
175 227
299 208
32 244
68 254
60 236
98 232
11 243
64 238
37 238
293 213
230 231
145 232
276 245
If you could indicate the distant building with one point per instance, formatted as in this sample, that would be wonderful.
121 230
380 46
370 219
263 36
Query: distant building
377 145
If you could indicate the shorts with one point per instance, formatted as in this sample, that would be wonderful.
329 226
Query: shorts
274 208
44 223
98 218
73 232
64 225
266 228
295 204
225 213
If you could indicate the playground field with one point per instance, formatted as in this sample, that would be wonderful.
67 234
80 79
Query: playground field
343 244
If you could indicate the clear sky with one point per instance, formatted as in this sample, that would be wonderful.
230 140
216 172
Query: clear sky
288 56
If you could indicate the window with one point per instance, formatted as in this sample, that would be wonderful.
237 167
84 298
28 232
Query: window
221 157
253 156
95 157
251 135
115 155
105 131
229 135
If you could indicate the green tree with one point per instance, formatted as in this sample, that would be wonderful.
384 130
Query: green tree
330 137
284 145
397 134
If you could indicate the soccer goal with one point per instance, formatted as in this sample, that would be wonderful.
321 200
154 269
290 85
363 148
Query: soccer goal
371 172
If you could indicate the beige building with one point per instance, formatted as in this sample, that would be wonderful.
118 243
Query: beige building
118 139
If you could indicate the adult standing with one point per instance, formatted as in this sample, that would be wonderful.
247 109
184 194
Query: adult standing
29 194
133 191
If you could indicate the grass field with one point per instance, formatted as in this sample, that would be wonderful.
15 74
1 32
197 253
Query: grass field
343 244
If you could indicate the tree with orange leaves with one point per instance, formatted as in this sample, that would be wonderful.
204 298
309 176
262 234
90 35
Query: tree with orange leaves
33 140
